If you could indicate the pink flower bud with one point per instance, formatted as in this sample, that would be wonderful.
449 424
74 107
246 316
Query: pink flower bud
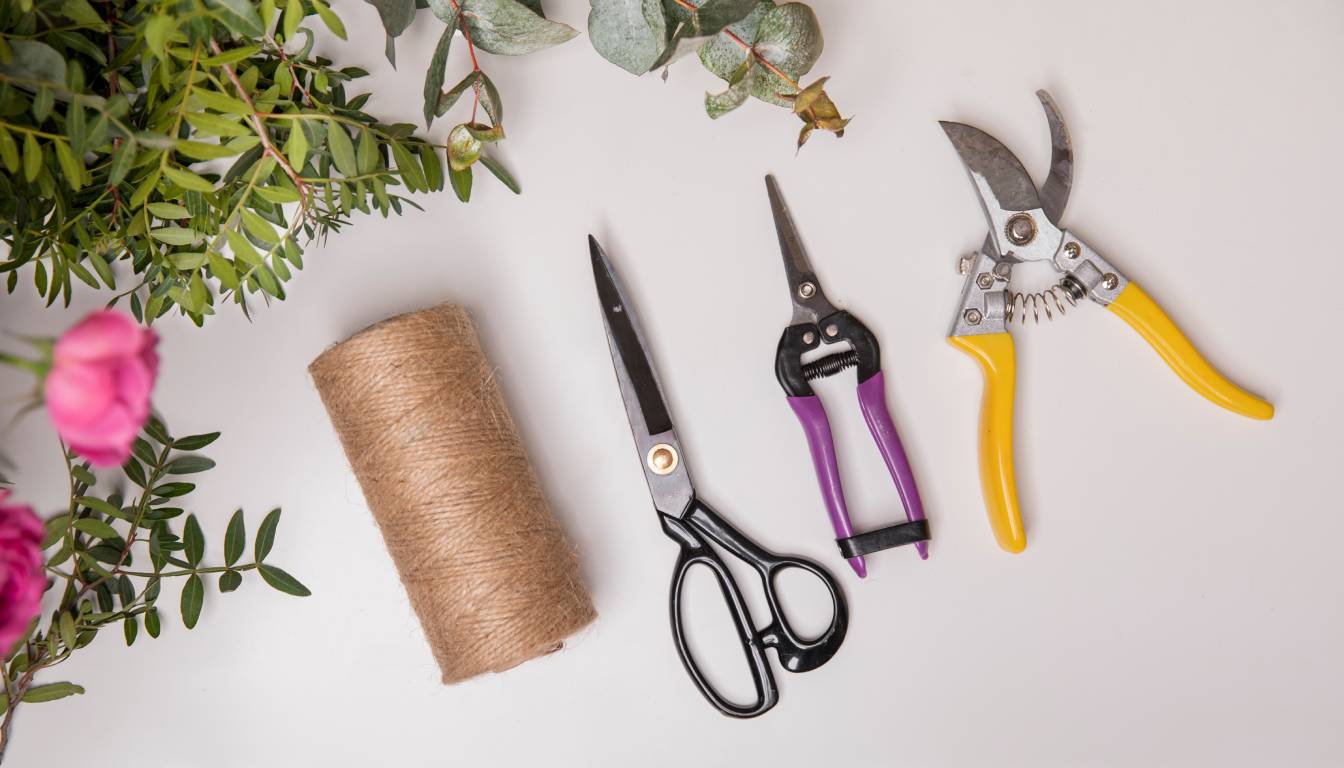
21 580
97 392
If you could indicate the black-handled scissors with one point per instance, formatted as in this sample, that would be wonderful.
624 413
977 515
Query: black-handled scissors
694 526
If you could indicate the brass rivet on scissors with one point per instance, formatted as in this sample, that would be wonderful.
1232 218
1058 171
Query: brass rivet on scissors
1021 229
984 280
662 459
807 291
809 337
832 329
1072 250
973 316
1109 281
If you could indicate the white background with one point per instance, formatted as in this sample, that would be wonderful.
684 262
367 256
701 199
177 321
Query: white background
1180 601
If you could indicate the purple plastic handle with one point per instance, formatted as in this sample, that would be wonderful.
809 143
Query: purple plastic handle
812 415
873 403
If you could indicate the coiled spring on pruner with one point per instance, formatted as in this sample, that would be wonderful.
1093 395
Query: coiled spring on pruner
830 365
1065 292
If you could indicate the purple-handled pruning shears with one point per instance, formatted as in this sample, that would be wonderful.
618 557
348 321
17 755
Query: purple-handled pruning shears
816 323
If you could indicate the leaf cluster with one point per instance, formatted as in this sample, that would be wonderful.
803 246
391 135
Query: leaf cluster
760 48
504 27
109 554
197 143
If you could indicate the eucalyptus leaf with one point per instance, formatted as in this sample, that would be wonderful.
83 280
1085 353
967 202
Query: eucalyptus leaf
434 75
265 537
629 33
51 692
281 580
35 62
396 15
510 28
235 538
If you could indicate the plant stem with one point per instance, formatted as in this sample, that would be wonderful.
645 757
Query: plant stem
752 52
265 135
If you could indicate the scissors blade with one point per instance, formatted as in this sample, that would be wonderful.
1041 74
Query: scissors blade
809 302
645 408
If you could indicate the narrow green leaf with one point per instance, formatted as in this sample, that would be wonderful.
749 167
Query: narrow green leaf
293 17
186 465
230 580
282 581
366 155
329 18
235 538
175 235
261 547
9 151
193 541
193 597
100 506
32 157
221 103
258 227
95 527
152 622
195 442
122 161
129 628
51 691
65 626
461 181
240 16
187 180
342 150
169 211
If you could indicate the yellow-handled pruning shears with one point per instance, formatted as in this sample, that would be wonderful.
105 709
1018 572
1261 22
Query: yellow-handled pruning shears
1023 226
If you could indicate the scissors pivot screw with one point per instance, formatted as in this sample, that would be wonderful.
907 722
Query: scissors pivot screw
1109 281
973 316
1021 229
1003 270
807 291
662 459
984 280
1072 250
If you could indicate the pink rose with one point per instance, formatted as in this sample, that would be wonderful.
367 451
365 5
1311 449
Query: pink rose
21 579
97 391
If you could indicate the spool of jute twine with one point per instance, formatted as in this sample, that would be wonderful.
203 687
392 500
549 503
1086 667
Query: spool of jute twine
488 569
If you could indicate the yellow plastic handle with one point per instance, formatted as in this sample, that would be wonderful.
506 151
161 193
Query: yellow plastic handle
994 352
1135 307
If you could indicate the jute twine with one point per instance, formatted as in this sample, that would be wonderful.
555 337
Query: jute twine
424 425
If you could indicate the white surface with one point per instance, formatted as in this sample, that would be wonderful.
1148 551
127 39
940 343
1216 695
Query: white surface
1180 602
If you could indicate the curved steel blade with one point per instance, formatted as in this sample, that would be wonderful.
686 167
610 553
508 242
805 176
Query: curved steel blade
1059 182
997 174
645 408
809 304
1055 191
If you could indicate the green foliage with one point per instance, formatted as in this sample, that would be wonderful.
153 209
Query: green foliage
760 48
198 143
505 27
107 556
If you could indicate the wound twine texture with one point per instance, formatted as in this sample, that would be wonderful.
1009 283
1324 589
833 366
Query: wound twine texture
424 425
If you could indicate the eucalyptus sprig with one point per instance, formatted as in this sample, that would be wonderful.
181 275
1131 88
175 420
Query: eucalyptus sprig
760 48
506 27
196 141
108 554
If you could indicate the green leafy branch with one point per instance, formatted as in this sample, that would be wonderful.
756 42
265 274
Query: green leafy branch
92 548
760 48
505 27
197 143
